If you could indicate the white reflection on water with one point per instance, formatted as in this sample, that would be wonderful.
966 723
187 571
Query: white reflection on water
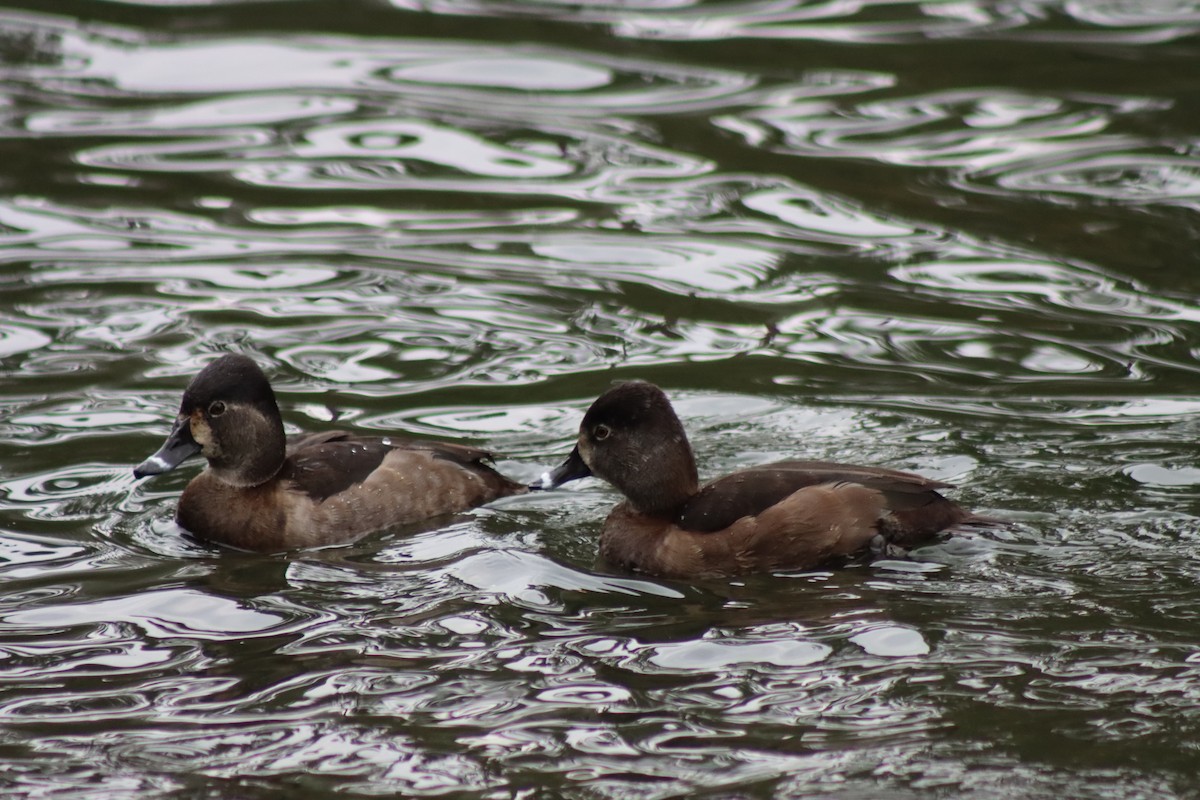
219 113
160 614
1123 177
419 141
522 576
702 655
23 556
438 74
820 216
863 22
525 74
891 641
989 140
1157 475
18 339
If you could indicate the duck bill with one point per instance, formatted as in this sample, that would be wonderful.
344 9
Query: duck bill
571 469
179 447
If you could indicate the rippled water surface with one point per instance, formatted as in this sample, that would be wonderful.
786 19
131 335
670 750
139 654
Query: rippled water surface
954 237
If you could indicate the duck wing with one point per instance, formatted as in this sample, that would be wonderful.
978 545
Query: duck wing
324 464
749 492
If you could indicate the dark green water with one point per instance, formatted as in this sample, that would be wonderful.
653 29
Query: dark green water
954 237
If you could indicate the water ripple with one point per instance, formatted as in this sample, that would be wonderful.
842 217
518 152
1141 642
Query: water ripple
864 22
161 615
98 60
994 141
71 492
429 74
1127 178
974 128
857 22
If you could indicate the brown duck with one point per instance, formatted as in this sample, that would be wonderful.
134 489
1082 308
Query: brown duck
268 492
781 516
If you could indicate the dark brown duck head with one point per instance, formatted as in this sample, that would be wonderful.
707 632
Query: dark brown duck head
229 416
632 438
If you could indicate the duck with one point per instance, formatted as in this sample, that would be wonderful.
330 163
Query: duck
268 492
789 515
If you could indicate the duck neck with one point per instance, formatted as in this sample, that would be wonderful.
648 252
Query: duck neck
261 449
664 480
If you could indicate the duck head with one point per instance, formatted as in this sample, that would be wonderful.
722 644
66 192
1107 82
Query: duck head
632 438
229 416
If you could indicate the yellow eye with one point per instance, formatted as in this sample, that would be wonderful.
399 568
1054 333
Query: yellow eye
601 432
216 408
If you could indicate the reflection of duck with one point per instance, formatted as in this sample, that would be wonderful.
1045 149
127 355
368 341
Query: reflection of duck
264 491
787 515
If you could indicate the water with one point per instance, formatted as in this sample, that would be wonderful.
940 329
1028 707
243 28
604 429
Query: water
955 237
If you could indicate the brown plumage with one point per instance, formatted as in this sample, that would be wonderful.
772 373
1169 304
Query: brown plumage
268 492
786 515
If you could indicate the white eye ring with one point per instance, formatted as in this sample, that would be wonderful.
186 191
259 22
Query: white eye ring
216 408
601 432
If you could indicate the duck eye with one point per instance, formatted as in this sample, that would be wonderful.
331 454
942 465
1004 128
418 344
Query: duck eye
601 432
216 408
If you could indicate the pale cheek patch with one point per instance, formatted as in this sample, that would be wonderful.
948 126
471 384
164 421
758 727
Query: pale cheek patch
202 433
